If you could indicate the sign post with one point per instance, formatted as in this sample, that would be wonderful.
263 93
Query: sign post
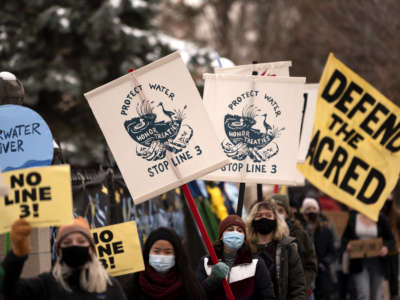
205 236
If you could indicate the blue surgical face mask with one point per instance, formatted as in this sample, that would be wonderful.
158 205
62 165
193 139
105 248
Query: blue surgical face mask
162 263
233 240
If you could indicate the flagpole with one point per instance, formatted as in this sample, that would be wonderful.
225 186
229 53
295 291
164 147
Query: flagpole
206 238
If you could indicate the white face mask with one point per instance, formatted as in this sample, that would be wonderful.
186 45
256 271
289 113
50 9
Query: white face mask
162 263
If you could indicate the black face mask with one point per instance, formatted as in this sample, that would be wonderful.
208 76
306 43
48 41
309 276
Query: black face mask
264 225
75 256
312 217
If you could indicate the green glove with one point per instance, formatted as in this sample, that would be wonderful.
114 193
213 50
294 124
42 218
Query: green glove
219 271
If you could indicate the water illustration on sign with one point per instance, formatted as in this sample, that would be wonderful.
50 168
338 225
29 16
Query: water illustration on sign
249 135
158 130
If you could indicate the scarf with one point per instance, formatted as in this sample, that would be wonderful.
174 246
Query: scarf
161 286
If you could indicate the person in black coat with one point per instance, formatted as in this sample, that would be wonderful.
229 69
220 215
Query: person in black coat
324 247
77 273
247 274
167 273
368 273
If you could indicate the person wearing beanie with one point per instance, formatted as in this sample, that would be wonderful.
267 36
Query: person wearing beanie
268 236
304 243
167 273
11 89
77 272
247 274
324 242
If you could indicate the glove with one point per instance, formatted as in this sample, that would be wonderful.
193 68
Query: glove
219 271
19 237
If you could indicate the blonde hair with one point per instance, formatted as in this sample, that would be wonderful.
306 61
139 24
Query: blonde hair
93 278
281 230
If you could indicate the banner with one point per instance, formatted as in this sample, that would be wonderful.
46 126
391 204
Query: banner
118 248
354 150
157 128
309 106
257 119
25 139
279 68
41 195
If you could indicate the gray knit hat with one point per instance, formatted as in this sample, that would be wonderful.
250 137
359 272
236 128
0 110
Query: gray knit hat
11 89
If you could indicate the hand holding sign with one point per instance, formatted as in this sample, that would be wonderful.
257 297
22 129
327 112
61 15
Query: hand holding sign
20 231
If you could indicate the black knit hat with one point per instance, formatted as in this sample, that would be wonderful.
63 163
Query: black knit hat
162 233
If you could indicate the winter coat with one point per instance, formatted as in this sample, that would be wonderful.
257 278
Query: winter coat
384 232
306 251
289 269
248 277
326 255
45 285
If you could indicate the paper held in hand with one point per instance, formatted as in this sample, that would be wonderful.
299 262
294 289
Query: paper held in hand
365 248
157 128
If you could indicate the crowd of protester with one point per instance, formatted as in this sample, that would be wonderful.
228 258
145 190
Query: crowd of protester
283 250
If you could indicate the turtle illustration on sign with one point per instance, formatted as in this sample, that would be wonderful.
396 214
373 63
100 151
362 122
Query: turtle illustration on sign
158 130
250 135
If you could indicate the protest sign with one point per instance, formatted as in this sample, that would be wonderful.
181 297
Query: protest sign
354 150
25 139
257 120
339 218
118 248
309 106
365 248
41 195
279 68
157 128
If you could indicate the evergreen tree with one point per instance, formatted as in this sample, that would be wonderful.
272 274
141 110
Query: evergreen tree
60 49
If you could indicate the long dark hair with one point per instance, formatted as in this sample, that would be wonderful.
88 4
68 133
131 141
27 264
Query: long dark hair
192 287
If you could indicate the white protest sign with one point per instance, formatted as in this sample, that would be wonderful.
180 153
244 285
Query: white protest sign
4 190
157 128
279 68
257 120
310 105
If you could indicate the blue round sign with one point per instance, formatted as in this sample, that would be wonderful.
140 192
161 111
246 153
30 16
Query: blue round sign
25 139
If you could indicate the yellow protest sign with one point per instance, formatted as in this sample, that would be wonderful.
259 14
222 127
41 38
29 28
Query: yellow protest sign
41 195
354 154
118 248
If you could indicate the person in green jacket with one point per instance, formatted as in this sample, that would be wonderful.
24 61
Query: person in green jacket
305 245
268 236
